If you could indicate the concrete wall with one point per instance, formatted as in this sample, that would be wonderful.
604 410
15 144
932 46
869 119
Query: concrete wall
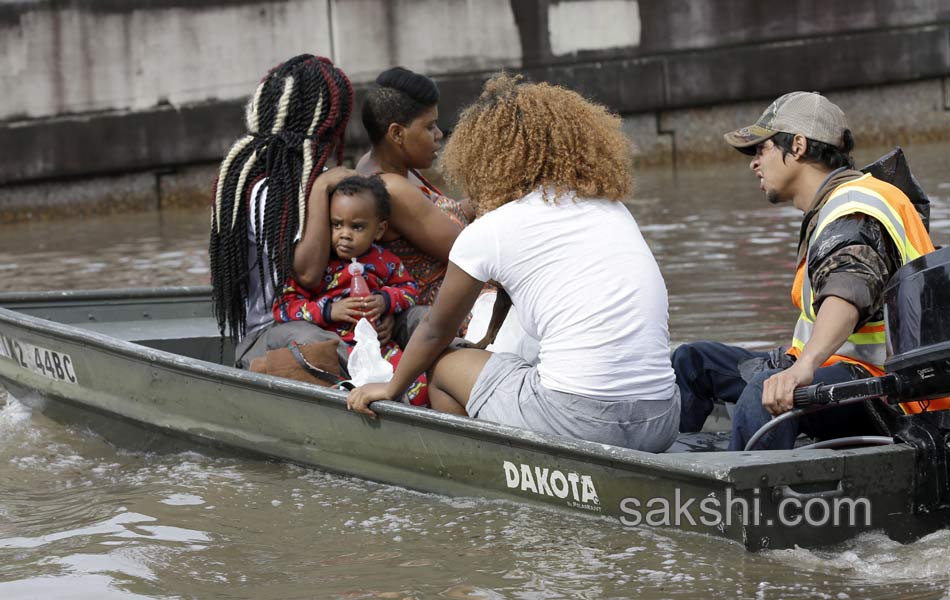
65 58
99 88
79 57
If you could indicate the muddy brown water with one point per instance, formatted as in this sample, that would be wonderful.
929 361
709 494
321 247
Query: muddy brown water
81 518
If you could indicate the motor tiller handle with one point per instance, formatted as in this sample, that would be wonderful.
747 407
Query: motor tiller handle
862 389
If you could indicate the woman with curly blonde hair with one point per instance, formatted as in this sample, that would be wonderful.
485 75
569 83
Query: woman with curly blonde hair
546 170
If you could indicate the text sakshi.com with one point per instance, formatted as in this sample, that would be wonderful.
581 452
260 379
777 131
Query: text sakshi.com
711 511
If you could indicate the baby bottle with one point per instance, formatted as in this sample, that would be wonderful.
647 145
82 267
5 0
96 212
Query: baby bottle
358 286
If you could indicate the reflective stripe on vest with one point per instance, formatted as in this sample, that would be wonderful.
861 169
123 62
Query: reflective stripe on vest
865 346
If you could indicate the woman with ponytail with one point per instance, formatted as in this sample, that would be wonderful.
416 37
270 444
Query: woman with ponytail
400 114
269 219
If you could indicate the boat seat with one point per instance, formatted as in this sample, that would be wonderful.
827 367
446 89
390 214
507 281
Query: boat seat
196 337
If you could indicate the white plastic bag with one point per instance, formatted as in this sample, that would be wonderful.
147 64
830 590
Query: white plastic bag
366 363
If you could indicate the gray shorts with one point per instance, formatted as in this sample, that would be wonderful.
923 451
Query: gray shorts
509 391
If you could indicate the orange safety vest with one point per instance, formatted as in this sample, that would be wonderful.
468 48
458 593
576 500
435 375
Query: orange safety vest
890 207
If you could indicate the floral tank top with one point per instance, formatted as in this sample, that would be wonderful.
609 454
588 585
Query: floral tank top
427 270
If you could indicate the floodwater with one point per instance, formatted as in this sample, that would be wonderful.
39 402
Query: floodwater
81 518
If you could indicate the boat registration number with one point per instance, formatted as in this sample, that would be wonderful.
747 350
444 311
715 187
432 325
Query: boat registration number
49 363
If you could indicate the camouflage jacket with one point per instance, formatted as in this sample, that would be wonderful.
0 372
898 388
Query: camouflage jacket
852 258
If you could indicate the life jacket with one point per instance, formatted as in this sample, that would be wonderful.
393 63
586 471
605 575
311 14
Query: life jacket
890 207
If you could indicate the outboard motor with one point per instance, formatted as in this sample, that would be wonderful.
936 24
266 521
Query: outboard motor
917 326
917 321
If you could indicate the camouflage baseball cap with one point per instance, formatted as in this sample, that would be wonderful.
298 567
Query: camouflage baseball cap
806 113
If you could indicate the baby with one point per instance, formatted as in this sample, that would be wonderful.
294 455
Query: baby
359 211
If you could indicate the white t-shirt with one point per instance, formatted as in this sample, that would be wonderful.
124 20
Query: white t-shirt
583 282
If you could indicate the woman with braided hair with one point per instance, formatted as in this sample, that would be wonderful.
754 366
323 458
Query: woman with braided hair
269 220
547 171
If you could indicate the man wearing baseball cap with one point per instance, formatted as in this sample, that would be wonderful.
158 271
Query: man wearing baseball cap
857 231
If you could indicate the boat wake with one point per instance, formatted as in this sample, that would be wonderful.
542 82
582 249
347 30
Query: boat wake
874 557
